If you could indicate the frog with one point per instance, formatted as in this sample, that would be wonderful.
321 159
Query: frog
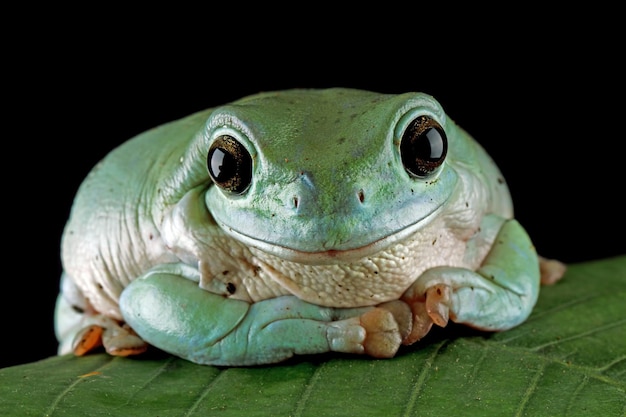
292 223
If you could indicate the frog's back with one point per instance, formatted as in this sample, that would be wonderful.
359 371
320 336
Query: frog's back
479 170
111 236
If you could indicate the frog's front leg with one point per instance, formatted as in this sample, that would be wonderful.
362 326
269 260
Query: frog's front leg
498 296
80 328
175 315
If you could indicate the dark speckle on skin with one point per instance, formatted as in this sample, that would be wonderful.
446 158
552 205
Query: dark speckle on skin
231 288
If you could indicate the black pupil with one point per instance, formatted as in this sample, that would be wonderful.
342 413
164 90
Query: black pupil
423 147
223 165
432 148
229 164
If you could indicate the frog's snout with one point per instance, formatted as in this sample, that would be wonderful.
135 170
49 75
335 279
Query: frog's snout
309 200
358 199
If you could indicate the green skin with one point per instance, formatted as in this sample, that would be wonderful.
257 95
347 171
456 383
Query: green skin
334 246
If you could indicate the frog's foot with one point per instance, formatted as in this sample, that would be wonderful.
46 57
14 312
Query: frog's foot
430 308
377 332
551 270
118 340
385 327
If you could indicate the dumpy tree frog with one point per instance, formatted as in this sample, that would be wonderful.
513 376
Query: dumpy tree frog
290 223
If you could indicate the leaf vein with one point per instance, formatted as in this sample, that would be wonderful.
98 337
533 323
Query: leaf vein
576 393
595 373
612 363
478 364
564 306
204 393
421 379
71 386
530 390
308 388
580 335
158 372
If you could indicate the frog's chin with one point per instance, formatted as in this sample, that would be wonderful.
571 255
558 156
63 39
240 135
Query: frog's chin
331 255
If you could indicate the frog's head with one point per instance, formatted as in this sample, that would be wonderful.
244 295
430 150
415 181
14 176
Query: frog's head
322 175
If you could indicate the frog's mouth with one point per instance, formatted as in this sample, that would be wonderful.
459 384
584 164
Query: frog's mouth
332 255
333 227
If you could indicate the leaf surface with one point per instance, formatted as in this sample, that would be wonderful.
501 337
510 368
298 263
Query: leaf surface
568 358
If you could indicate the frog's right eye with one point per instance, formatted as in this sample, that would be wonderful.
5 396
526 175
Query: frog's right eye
229 164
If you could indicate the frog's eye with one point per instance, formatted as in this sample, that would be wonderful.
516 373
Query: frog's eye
423 147
229 164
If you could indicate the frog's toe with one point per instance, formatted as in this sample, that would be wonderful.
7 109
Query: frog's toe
433 307
551 270
346 336
123 341
87 339
421 324
402 314
437 304
382 337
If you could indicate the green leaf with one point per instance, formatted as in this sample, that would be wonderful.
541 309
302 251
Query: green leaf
569 358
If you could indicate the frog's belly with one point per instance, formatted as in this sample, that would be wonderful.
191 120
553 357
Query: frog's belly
381 277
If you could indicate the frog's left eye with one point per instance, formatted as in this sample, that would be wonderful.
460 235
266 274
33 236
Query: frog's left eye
229 164
423 146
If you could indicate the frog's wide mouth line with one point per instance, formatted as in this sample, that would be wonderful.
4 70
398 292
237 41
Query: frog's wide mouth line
331 256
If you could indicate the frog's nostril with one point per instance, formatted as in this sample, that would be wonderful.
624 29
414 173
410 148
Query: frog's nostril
295 202
361 195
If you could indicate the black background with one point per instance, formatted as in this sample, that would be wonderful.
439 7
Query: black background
546 103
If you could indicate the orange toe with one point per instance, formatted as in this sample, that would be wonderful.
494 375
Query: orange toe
87 339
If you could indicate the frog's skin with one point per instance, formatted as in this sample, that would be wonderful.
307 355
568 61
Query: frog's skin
322 241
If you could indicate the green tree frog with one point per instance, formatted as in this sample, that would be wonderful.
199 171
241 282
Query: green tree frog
291 223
